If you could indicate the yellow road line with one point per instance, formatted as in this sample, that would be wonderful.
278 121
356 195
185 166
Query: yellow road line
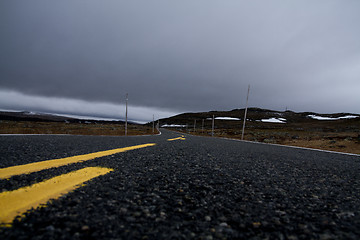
38 166
17 202
178 138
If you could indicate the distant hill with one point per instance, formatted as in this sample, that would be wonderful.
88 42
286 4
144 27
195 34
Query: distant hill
257 114
335 132
263 118
46 117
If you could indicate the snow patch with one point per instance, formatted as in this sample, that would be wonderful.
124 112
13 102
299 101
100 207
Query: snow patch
172 125
274 120
332 118
81 117
225 118
30 113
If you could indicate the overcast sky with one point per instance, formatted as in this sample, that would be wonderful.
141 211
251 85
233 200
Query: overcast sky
179 56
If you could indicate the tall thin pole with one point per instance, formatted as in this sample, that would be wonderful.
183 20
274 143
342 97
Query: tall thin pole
153 124
126 114
194 125
213 123
202 127
247 100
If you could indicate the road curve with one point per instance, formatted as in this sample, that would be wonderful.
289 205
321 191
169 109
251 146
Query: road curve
183 187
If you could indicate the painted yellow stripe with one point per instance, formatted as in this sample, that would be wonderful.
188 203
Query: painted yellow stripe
178 138
38 166
17 202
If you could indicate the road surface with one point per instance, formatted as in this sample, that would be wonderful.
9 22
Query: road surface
174 186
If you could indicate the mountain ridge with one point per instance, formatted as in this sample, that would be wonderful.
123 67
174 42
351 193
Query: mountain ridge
253 114
335 132
49 117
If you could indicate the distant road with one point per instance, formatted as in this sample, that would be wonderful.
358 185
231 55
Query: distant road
174 186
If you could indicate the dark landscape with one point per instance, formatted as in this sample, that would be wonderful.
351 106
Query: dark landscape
335 132
187 186
36 123
296 129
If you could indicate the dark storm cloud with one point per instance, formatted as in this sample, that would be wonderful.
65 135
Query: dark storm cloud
185 55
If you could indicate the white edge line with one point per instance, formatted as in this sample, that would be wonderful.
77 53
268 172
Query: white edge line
279 145
297 147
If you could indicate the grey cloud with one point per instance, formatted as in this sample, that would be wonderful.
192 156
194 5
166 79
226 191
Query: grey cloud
16 101
185 56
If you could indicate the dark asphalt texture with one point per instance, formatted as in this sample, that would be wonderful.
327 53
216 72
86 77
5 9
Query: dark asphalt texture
199 188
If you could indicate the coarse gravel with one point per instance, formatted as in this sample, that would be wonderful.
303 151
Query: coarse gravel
198 188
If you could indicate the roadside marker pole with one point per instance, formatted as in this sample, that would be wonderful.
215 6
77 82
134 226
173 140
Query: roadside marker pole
247 99
153 124
126 114
213 123
202 127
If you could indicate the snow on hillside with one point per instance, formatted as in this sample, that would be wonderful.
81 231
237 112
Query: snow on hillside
86 117
331 118
172 125
274 120
225 118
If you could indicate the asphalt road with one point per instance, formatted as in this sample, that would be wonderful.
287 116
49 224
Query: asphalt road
197 188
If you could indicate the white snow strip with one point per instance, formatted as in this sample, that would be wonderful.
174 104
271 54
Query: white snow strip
31 113
225 118
172 125
274 120
81 117
348 117
330 118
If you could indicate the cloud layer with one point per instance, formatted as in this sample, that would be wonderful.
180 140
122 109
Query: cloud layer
187 55
17 101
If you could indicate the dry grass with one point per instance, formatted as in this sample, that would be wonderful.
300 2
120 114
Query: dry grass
299 130
347 142
28 127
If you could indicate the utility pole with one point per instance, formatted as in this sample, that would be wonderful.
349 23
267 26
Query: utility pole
194 125
202 127
126 114
247 100
153 124
213 123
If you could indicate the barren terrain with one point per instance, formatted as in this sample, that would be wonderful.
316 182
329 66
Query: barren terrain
340 134
33 123
298 129
110 129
